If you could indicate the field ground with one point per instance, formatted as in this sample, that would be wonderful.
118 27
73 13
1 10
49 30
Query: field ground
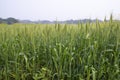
88 51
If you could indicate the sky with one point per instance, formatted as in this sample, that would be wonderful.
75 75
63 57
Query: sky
59 9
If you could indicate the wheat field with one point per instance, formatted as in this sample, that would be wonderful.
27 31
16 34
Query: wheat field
83 51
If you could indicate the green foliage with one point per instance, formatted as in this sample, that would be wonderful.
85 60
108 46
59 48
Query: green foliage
88 51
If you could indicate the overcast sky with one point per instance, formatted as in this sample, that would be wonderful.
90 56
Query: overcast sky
59 9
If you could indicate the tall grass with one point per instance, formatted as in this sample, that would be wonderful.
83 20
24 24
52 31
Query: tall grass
88 51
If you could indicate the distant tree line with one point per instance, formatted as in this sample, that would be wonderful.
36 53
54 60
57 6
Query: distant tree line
13 20
9 20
